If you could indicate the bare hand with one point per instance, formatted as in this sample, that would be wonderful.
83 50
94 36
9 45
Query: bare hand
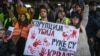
5 40
30 26
9 38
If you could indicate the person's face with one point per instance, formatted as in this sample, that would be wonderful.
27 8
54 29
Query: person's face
75 20
32 10
94 8
78 8
2 33
22 17
43 13
60 15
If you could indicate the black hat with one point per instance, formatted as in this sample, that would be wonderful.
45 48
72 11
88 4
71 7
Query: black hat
77 15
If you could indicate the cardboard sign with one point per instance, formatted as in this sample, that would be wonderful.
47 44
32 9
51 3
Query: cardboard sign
11 28
51 39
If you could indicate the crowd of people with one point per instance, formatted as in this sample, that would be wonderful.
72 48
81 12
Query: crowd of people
20 17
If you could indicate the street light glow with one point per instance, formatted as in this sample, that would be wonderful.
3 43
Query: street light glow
28 5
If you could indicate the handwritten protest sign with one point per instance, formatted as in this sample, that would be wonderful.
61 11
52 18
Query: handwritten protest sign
51 39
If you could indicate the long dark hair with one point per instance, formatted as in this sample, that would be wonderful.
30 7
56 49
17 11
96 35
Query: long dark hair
77 26
23 23
79 23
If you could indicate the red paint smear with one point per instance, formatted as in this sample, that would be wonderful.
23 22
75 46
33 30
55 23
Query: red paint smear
74 32
36 43
33 35
43 52
46 42
31 49
64 34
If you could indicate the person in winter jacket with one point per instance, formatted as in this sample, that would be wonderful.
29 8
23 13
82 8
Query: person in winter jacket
7 48
61 18
91 29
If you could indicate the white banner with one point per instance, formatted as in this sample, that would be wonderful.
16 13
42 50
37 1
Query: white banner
51 39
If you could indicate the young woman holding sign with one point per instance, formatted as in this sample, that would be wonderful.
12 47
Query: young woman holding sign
82 46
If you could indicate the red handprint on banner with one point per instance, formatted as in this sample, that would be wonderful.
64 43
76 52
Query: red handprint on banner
46 42
36 43
42 52
33 35
74 32
31 49
65 35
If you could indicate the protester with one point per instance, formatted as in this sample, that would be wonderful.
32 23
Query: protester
61 18
98 33
31 12
7 22
72 9
20 8
44 14
9 18
78 9
76 20
54 12
4 6
7 47
91 30
21 30
48 7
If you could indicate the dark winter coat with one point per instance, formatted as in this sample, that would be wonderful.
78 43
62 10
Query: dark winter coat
92 26
7 48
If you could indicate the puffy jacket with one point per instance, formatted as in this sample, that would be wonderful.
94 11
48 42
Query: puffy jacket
7 48
92 26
